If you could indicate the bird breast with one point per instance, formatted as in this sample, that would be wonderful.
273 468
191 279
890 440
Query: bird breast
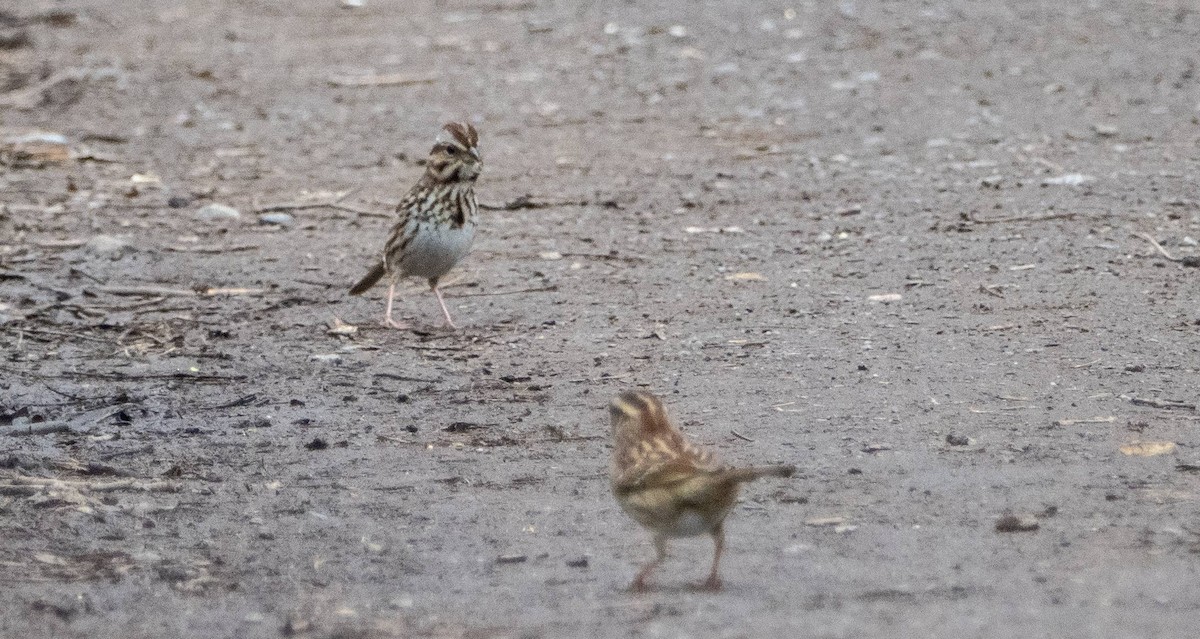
435 248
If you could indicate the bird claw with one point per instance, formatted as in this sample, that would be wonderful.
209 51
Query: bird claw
712 584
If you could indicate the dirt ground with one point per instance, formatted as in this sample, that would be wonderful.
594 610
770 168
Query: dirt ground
904 245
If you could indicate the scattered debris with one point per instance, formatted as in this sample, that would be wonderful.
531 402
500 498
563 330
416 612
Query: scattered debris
885 297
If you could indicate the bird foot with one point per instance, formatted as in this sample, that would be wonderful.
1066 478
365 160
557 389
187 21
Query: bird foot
391 323
712 584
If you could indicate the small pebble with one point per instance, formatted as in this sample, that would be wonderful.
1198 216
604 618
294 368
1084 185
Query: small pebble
109 245
278 219
213 212
1070 179
954 439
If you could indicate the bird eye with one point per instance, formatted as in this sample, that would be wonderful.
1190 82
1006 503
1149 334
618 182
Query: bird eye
451 150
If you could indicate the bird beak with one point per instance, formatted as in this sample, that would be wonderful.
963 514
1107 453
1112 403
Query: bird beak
475 154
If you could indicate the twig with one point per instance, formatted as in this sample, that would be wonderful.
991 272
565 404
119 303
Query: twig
552 287
991 290
241 401
602 378
44 429
528 202
214 249
406 378
1191 260
119 377
1022 218
358 211
146 291
36 330
1087 420
1154 403
378 80
608 256
1153 242
148 448
293 206
99 487
741 436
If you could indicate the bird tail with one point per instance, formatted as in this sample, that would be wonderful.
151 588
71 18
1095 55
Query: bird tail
369 279
754 472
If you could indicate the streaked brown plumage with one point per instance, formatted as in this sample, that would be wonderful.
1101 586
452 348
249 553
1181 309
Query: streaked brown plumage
668 484
436 222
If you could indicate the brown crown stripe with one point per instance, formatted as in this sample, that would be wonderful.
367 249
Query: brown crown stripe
464 134
631 404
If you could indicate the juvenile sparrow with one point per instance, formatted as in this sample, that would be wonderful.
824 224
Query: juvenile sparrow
669 485
436 219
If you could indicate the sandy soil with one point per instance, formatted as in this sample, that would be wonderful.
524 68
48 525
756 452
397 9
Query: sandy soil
893 243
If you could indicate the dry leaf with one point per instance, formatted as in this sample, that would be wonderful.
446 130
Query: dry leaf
1148 449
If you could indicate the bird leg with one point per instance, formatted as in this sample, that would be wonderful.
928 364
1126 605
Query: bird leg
714 582
387 319
660 547
433 284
